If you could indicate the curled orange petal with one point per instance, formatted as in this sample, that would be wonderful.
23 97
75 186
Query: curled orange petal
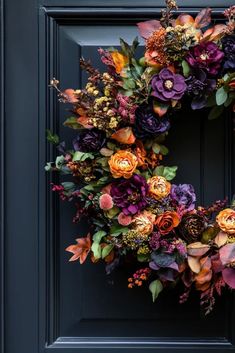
119 61
124 135
184 19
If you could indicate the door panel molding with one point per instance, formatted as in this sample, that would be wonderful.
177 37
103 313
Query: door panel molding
52 19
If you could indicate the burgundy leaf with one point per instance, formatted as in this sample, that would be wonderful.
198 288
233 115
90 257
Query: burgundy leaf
148 27
229 277
203 19
227 253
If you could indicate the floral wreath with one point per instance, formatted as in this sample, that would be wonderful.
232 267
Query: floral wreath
119 184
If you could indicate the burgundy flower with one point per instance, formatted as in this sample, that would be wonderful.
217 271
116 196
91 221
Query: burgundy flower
130 194
166 85
207 56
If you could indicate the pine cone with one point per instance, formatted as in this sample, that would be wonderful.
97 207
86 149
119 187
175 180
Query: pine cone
191 227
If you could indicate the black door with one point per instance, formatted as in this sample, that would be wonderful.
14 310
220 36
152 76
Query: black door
47 303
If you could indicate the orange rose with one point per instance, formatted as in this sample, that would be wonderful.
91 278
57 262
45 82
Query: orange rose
226 220
167 221
144 222
123 164
159 187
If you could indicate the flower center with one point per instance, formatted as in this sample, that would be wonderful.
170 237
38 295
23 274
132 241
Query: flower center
124 163
204 56
168 84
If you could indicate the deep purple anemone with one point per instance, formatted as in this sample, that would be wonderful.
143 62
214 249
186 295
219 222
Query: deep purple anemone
148 124
166 86
130 194
207 56
228 43
89 140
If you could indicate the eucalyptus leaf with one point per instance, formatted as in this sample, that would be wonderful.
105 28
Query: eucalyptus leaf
82 156
221 96
155 288
186 68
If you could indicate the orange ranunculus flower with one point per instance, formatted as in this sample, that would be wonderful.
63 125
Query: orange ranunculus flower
167 221
124 135
159 187
123 164
144 222
226 220
119 61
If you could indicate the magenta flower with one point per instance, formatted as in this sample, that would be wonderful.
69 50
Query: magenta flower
207 56
166 86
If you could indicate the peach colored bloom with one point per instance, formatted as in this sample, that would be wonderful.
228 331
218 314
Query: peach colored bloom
123 164
226 220
105 202
124 220
159 187
144 222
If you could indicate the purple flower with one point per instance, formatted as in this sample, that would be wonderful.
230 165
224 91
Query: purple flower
89 141
207 56
200 87
229 51
130 194
166 86
184 196
148 124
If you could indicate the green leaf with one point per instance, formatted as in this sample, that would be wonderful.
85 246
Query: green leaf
164 150
68 186
229 101
221 96
159 170
167 172
215 112
98 236
107 250
156 148
186 68
82 156
53 138
88 187
117 229
170 172
155 288
72 123
143 258
96 248
103 181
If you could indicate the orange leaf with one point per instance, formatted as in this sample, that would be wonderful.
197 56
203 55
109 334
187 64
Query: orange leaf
221 239
119 61
184 19
214 33
194 264
197 249
70 95
124 135
81 249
